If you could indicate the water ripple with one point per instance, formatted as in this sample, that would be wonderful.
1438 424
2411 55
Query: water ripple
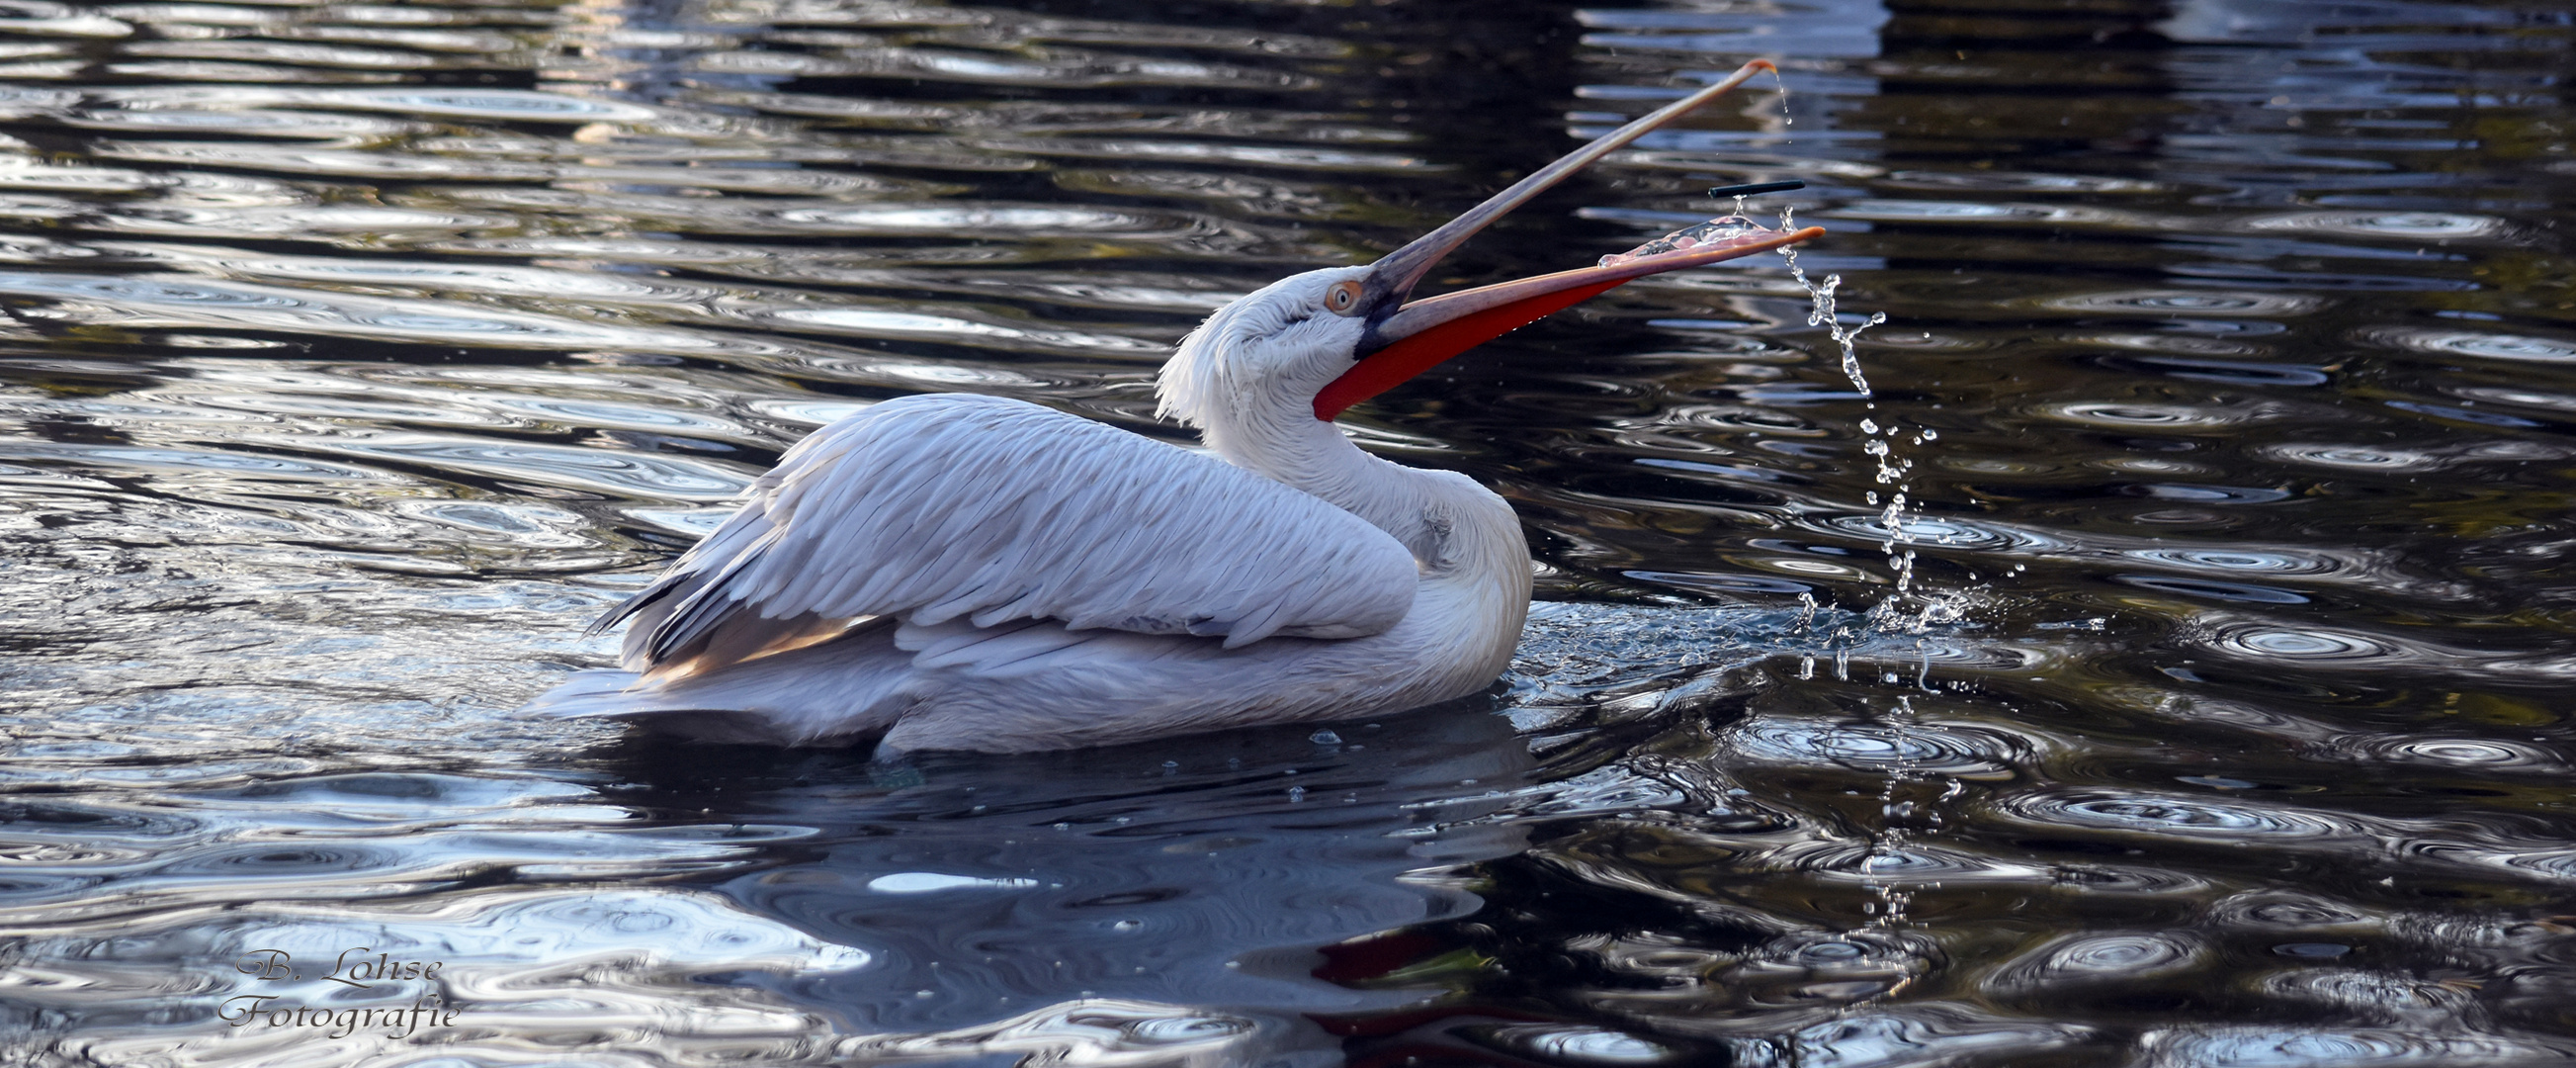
1950 532
2195 302
182 303
252 467
619 474
2174 816
2102 960
2242 592
1088 1031
2355 457
1924 1035
2256 1047
2514 347
2154 416
267 122
1960 752
2485 755
2300 563
2404 225
2316 646
377 164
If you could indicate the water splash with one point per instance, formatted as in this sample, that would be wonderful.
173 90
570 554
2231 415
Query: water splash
1823 312
1897 519
1722 229
1897 810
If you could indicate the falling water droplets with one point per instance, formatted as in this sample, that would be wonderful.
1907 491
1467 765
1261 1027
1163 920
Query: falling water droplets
1898 810
1822 313
1880 443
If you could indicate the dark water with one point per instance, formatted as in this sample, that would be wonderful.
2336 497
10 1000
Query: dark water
357 355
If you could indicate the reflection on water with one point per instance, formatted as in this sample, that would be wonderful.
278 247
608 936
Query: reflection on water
356 355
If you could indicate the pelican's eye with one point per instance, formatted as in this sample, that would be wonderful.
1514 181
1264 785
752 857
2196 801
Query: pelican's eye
1343 298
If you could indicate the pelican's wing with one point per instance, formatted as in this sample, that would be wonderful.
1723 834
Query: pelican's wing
933 507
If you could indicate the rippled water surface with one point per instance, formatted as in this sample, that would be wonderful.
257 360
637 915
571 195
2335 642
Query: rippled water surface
2205 702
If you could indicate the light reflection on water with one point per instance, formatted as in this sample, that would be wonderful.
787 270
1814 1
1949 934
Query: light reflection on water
355 356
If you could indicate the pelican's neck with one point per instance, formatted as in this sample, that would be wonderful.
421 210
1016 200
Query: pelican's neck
1451 524
1286 443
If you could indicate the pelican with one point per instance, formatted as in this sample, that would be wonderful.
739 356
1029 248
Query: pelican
961 572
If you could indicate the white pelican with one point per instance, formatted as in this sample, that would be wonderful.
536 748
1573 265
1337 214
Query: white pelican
951 571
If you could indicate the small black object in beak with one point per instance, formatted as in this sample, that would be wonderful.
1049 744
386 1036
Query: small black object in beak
1724 191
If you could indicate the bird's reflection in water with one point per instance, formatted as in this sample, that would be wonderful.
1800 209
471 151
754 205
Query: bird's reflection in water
1199 875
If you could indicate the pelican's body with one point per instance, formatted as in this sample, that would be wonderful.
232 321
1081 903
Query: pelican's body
1416 596
964 572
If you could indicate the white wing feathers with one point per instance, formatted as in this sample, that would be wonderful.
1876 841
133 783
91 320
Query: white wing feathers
933 507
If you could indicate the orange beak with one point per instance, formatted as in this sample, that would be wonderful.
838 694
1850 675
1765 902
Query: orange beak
1406 339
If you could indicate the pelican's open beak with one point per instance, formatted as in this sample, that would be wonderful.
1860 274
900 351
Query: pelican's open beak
1406 339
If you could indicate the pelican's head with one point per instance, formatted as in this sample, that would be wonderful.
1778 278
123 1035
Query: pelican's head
1286 341
1332 338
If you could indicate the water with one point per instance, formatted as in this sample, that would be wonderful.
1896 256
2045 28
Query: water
356 356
